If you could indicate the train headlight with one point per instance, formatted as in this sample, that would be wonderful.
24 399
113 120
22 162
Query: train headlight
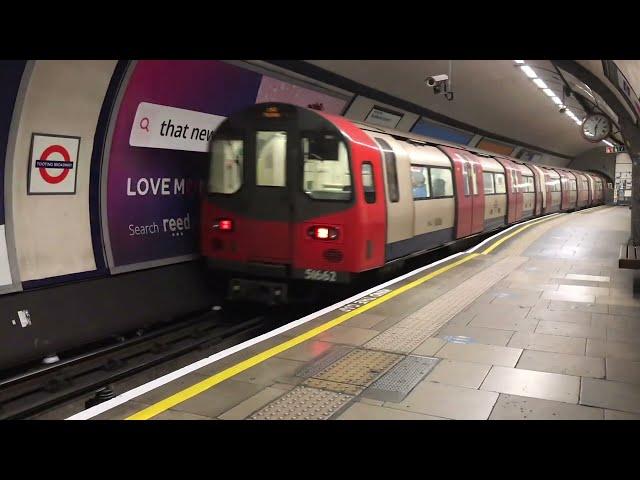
321 232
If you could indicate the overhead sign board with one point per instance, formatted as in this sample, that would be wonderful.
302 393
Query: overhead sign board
53 164
383 118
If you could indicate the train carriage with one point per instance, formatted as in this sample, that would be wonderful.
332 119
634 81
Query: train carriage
297 195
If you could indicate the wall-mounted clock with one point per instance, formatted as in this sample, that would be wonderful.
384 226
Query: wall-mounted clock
596 127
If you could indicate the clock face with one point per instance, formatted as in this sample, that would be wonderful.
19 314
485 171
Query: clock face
596 127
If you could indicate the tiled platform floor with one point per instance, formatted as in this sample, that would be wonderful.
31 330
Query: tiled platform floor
557 337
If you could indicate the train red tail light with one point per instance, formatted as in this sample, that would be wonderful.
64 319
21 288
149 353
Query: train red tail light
323 232
223 224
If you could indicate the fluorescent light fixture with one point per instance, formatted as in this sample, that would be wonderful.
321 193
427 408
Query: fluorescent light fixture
529 71
549 92
519 61
556 100
578 122
608 143
569 112
540 83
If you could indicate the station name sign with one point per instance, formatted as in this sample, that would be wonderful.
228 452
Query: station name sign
619 149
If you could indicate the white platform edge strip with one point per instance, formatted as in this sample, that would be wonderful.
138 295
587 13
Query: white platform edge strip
169 377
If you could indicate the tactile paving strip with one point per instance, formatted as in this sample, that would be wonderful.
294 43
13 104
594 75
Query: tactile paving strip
333 386
396 384
406 335
303 403
359 367
336 353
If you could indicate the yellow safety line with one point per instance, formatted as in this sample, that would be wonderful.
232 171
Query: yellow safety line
219 377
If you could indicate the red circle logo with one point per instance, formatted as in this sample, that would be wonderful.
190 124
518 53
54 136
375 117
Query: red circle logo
45 156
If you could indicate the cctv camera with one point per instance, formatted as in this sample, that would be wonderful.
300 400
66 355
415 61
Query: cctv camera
435 80
563 109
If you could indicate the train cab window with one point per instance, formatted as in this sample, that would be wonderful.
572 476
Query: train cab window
368 183
474 180
489 187
392 172
225 169
500 185
271 159
326 172
420 182
441 182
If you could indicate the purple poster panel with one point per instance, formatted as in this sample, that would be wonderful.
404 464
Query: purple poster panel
158 158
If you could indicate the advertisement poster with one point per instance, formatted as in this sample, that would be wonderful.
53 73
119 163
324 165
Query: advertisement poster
158 158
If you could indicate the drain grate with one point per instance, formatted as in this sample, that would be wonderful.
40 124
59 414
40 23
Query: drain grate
333 386
336 353
303 403
359 367
400 380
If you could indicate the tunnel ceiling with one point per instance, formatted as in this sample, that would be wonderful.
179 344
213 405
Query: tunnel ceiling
492 95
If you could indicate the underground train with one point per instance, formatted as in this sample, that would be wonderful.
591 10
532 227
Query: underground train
295 194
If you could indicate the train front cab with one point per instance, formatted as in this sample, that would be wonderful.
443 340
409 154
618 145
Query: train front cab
292 194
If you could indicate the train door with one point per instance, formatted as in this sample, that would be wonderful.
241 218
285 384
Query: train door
541 190
514 191
469 201
399 201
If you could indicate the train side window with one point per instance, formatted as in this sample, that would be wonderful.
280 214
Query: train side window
420 182
392 171
530 184
466 178
489 188
271 159
225 169
441 182
368 183
500 185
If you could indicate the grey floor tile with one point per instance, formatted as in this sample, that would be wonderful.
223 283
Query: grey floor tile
364 411
365 320
306 351
245 408
601 348
566 364
218 399
610 395
506 323
347 335
548 343
429 347
448 401
633 312
270 371
619 301
514 407
530 383
490 310
609 321
616 415
568 297
578 306
580 290
620 370
623 335
177 415
488 336
581 318
570 329
462 374
479 353
590 278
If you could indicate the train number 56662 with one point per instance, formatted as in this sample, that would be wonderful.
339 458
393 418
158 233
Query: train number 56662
321 275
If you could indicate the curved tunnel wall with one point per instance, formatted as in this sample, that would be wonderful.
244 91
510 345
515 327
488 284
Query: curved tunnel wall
76 234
